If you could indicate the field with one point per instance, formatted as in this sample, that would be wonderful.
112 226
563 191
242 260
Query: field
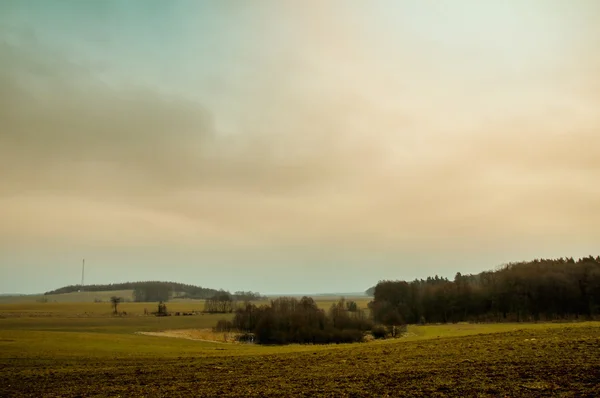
79 349
75 297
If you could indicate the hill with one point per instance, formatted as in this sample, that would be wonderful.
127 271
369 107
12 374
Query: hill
154 291
181 289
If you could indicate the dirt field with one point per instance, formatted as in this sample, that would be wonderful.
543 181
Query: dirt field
557 362
66 356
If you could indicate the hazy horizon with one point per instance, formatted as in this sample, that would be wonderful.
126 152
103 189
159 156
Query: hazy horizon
285 147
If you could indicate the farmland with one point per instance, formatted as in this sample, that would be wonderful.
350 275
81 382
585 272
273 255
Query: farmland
79 349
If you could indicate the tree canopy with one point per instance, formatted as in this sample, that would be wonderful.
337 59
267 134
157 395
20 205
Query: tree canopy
535 290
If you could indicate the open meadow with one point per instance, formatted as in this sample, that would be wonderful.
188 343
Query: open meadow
79 349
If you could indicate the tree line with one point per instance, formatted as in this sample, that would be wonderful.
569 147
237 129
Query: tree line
152 292
224 302
288 320
537 290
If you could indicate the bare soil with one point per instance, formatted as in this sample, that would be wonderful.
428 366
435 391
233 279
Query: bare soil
560 362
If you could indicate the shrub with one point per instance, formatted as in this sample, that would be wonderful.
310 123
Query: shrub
162 309
289 320
379 332
246 338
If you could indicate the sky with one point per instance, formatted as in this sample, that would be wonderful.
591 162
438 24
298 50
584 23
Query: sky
294 147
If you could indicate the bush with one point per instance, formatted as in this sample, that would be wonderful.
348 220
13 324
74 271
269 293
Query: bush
292 321
162 309
246 338
349 336
379 332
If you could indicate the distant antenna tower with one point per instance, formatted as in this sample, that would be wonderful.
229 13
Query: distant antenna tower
82 273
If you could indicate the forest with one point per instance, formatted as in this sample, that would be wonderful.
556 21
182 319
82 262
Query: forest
539 290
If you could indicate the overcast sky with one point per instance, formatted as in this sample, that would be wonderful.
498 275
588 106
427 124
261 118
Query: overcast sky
294 147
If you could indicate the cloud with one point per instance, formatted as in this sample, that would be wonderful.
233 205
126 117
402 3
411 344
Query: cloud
66 129
327 145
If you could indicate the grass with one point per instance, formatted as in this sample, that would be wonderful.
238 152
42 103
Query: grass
65 354
66 309
74 297
82 304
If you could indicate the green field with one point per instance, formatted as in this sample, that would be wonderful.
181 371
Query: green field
79 349
75 297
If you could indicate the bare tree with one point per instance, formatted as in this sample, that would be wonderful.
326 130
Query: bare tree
114 300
